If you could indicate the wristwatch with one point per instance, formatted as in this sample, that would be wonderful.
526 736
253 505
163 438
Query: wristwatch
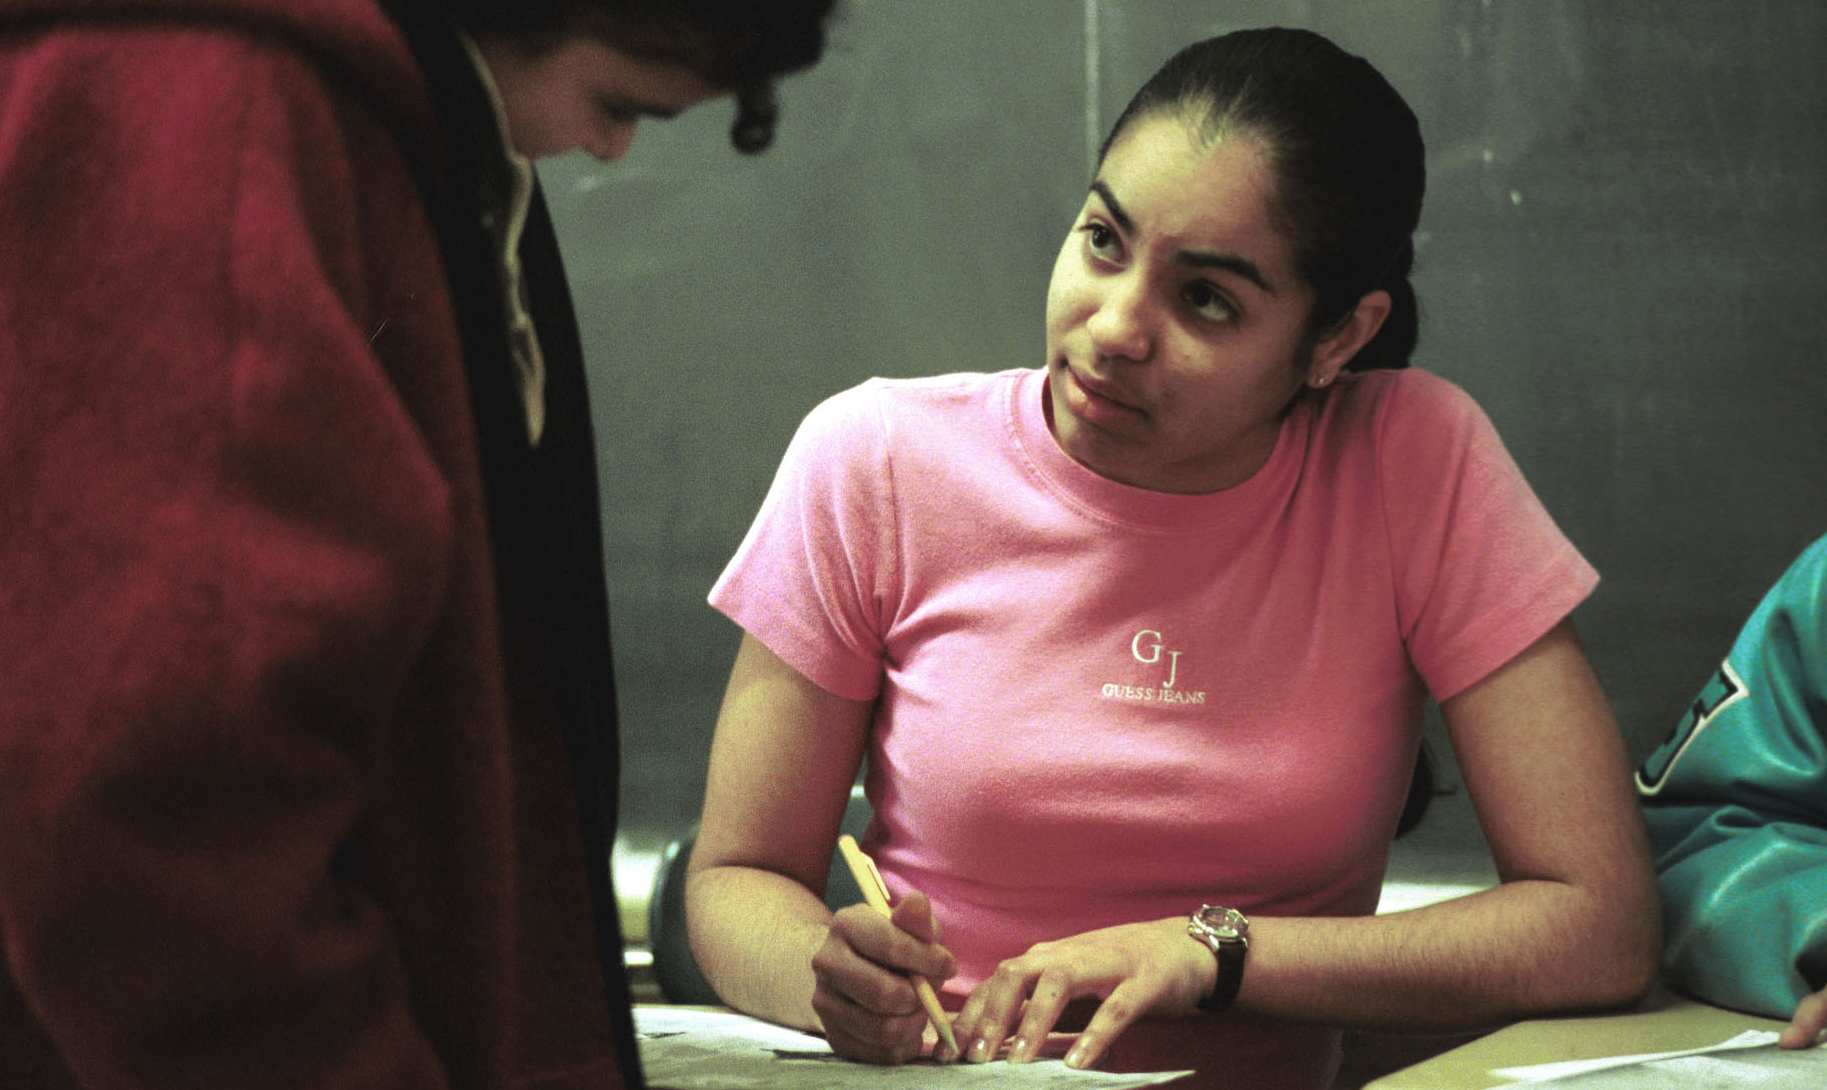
1226 932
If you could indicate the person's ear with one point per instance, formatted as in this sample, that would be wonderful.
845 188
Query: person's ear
1333 351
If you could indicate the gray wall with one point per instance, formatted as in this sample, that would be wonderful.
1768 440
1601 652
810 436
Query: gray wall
1621 258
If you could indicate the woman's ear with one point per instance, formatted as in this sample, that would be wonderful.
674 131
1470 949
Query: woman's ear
1333 351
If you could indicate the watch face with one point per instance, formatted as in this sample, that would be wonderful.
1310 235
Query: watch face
1224 923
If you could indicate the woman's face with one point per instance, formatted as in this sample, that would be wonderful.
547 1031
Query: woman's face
1176 325
583 93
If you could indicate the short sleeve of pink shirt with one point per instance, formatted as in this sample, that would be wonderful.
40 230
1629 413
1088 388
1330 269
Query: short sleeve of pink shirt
1480 569
812 571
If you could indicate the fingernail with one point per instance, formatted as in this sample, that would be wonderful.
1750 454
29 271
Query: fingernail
980 1050
1076 1057
1021 1051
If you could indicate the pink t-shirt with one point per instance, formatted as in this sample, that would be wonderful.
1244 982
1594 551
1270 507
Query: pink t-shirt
1100 704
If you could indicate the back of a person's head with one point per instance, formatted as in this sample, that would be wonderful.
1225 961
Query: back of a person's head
739 45
1346 151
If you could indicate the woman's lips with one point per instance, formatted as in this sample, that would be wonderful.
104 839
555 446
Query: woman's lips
1093 400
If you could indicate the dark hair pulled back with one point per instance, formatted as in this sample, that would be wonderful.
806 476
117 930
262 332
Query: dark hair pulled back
1347 156
740 45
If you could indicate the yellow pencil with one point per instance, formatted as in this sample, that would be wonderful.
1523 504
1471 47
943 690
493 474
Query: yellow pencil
875 893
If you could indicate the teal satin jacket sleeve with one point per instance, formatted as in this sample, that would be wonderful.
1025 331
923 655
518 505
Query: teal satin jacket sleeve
1736 802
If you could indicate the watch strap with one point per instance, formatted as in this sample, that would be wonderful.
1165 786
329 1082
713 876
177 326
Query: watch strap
1230 976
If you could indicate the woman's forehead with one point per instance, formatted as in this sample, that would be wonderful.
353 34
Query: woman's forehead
1174 184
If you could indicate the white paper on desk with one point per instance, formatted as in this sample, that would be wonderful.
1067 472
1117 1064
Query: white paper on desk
1751 1038
714 1050
1766 1068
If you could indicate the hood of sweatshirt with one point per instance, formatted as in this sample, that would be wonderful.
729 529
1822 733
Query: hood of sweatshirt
354 36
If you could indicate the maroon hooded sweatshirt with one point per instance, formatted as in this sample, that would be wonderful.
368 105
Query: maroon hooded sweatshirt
307 740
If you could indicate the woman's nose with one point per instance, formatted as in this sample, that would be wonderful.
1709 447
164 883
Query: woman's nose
1120 324
612 142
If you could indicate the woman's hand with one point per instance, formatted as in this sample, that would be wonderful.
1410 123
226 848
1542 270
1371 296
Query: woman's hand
863 995
1810 1018
1137 969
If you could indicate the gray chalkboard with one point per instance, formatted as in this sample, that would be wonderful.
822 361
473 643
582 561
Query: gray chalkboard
1621 258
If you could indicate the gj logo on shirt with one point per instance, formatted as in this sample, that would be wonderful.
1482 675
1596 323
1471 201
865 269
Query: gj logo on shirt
1148 648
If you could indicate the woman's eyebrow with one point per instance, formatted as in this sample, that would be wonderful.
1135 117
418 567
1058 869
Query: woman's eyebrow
1231 263
1115 206
1199 259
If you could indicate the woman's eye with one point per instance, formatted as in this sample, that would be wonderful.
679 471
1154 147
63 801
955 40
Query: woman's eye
1209 303
1100 238
617 113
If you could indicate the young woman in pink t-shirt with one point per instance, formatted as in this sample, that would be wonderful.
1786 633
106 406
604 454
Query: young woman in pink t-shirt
1136 645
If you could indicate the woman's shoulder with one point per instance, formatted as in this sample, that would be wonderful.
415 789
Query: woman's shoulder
1406 406
946 391
907 415
933 401
1412 429
1410 389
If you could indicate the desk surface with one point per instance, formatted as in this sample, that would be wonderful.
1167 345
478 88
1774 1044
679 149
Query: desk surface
1664 1023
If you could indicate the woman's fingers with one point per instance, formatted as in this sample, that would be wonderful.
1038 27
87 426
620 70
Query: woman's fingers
1138 968
864 996
1114 1015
